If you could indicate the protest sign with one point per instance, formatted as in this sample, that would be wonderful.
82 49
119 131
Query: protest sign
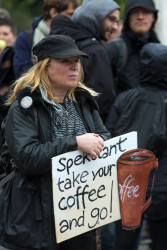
85 191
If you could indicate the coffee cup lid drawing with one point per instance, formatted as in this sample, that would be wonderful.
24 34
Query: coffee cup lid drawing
134 169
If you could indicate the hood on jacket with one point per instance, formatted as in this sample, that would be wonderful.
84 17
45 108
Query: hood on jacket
92 12
131 4
154 65
65 26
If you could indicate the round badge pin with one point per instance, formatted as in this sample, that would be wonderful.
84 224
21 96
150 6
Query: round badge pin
26 102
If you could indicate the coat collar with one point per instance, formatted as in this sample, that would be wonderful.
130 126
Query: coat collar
28 99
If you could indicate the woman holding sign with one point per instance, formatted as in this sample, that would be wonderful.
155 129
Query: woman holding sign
51 112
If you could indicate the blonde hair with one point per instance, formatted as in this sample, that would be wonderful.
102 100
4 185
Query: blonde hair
36 76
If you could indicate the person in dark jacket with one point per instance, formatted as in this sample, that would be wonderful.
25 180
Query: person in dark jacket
8 34
144 109
93 21
51 112
140 17
40 28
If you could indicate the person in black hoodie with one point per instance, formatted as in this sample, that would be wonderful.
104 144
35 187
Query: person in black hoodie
92 22
139 19
144 109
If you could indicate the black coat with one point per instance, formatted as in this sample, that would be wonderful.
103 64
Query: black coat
129 77
6 76
26 204
97 70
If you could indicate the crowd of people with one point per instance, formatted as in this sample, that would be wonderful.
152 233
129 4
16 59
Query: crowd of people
79 77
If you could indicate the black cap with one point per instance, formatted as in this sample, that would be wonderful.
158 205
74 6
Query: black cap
57 46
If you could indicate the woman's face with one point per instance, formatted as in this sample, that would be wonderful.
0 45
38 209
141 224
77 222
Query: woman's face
64 73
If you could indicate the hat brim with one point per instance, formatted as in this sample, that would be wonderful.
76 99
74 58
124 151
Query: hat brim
68 53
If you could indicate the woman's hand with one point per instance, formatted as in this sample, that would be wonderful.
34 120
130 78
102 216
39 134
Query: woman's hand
91 144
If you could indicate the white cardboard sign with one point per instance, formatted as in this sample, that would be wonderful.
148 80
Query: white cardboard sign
85 191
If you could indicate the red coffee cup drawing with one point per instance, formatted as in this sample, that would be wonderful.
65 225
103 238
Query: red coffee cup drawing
134 169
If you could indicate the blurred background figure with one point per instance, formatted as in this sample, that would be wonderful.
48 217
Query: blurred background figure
140 17
52 8
8 35
4 14
40 28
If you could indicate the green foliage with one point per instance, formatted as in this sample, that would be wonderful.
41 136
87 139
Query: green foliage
24 11
122 5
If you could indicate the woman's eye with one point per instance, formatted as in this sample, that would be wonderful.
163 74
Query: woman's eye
70 61
65 61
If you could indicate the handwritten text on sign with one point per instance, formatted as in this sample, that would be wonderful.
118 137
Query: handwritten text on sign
85 191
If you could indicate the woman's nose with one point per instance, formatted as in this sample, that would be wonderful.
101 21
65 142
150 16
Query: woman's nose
75 65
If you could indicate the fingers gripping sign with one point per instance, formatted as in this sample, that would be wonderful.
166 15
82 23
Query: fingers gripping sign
91 144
